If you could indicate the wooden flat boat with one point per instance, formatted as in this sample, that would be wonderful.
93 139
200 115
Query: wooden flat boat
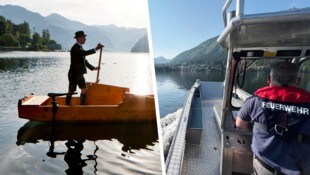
103 103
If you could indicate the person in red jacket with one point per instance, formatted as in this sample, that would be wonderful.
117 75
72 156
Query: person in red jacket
78 66
280 115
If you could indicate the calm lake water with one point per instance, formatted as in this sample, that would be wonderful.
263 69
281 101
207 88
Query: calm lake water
173 87
73 148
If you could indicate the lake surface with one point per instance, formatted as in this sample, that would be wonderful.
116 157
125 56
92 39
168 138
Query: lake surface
172 87
76 148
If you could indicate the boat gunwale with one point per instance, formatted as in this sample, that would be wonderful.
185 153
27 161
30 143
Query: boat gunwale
184 116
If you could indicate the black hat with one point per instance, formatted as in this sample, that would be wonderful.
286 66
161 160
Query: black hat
79 33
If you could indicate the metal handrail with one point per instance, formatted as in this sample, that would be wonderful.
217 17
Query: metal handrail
226 5
239 9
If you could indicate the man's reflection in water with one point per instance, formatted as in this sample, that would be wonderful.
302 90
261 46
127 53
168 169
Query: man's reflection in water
73 156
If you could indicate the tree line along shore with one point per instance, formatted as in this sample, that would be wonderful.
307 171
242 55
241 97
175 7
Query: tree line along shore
18 37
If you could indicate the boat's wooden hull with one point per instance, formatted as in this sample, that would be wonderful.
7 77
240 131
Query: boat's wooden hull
104 103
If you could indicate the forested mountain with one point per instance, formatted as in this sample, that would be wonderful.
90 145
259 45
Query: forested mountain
62 29
208 52
208 55
161 60
142 45
18 37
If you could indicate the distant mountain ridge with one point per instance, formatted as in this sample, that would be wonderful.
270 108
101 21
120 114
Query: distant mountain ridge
161 60
142 46
62 29
208 52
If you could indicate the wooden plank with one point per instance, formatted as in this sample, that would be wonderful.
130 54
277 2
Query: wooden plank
36 100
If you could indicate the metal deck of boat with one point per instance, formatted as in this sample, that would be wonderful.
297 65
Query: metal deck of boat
203 158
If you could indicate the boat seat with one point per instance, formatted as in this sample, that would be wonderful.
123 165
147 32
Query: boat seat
98 94
36 100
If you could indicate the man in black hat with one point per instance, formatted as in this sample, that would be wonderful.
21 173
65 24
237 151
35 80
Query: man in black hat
78 66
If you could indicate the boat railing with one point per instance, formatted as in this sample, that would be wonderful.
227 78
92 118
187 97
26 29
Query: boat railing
239 9
261 30
173 164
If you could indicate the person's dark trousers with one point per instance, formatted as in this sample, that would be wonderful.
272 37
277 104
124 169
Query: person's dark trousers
68 99
261 168
83 99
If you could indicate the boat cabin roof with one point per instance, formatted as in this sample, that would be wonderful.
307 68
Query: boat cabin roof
284 33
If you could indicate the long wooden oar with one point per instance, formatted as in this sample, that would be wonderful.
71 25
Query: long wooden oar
98 71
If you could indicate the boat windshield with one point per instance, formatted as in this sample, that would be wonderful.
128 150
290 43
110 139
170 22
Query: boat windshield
251 74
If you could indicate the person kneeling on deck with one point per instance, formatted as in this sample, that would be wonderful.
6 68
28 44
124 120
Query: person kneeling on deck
281 130
78 66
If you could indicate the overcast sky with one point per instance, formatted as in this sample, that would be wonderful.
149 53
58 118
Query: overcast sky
127 13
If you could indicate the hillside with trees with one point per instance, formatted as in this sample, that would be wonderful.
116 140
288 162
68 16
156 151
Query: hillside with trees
19 37
142 46
208 55
208 51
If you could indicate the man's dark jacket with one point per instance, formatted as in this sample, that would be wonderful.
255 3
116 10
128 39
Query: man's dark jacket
78 61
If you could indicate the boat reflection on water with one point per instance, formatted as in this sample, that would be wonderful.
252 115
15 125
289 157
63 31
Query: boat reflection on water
132 135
